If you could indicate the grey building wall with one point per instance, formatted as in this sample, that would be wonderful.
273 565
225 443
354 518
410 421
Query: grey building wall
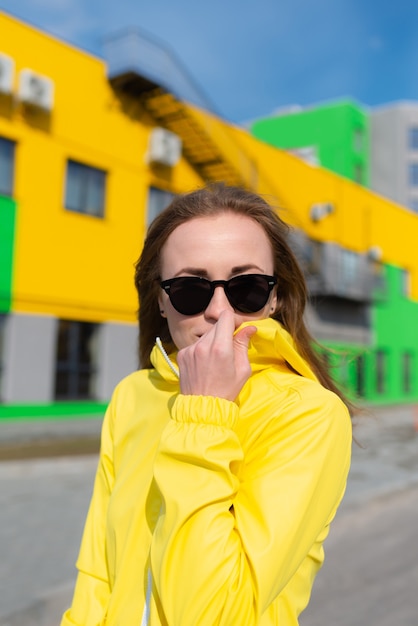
390 152
116 357
28 358
330 328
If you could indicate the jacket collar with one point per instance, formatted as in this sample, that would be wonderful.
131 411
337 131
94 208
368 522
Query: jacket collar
272 344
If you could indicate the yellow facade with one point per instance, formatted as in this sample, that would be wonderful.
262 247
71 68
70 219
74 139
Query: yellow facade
67 264
79 267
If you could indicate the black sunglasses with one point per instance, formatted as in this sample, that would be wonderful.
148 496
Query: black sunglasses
247 293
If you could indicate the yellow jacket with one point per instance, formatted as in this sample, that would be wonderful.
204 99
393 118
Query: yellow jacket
226 503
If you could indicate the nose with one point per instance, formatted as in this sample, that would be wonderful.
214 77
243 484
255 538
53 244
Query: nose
218 303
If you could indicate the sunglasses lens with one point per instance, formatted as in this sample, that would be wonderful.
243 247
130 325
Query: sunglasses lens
190 296
248 293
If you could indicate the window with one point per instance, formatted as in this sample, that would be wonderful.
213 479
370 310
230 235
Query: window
309 154
85 189
358 173
358 139
413 138
407 370
158 200
349 267
413 204
380 371
405 283
360 375
413 174
75 360
7 159
343 371
2 339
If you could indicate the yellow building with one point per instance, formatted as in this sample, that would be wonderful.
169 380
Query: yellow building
90 151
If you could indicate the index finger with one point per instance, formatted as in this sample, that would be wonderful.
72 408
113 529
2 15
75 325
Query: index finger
225 326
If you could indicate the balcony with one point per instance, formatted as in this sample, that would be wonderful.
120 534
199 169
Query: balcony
333 271
138 63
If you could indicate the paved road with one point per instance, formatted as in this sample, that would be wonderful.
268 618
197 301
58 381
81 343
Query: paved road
370 576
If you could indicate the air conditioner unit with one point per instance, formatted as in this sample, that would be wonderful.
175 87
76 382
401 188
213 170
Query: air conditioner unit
321 210
36 90
6 73
164 147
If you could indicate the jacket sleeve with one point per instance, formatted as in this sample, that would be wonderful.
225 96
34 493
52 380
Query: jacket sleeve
92 591
234 531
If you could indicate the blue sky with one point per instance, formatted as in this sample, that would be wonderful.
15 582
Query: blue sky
253 57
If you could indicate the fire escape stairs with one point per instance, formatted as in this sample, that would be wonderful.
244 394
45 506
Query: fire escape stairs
199 148
145 70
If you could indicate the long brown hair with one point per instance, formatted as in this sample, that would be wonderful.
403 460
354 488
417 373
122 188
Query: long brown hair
292 292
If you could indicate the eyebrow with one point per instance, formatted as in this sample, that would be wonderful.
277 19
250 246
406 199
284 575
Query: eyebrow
199 271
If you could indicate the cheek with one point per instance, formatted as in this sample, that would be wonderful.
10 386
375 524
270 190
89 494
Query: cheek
180 327
180 333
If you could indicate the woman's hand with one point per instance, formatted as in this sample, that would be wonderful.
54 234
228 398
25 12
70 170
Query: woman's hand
217 364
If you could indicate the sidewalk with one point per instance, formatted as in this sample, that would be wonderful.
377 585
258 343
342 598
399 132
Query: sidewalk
43 501
33 438
385 457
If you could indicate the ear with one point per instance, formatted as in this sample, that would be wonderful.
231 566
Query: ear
161 306
273 301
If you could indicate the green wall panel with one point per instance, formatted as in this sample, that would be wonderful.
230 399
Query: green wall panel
395 323
331 128
53 410
7 236
395 335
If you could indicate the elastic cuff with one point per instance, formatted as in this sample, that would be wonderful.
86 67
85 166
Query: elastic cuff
205 410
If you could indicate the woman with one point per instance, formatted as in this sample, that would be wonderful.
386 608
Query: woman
224 459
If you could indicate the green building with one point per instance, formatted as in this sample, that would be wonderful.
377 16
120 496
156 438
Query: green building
336 136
